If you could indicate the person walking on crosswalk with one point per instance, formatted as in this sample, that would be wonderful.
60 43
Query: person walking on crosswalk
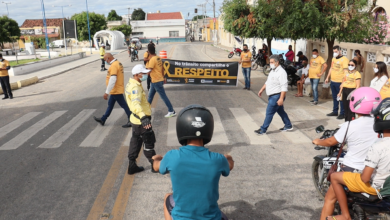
102 52
115 88
4 78
140 120
276 89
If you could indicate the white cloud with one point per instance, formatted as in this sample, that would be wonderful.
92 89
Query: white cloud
21 10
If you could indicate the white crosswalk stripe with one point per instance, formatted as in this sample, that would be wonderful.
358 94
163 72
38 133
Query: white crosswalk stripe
63 133
97 136
15 124
171 132
219 136
249 126
31 131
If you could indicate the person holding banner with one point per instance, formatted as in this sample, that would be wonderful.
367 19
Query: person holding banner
158 80
245 61
276 89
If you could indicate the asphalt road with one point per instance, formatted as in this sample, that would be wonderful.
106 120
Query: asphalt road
57 163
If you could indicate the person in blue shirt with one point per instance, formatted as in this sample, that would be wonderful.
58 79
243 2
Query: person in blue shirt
195 171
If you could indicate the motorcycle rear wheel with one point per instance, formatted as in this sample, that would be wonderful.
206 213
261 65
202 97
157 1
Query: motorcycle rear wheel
230 55
266 69
238 54
254 65
315 171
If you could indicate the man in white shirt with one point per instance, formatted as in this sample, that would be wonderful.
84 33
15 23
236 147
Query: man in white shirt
276 89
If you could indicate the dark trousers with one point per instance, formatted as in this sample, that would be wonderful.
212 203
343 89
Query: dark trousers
349 115
4 80
111 102
136 143
103 64
149 81
335 87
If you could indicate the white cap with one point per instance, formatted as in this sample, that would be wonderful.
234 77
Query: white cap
102 45
139 68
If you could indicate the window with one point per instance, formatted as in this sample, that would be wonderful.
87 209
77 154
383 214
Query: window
174 34
386 59
344 52
322 49
137 34
371 57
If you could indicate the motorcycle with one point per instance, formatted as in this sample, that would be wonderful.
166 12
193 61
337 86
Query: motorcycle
254 52
261 60
290 70
322 163
236 51
132 54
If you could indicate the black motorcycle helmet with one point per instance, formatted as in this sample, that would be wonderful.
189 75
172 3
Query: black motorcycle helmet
194 122
382 116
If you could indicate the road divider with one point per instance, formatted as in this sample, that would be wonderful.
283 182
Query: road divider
22 83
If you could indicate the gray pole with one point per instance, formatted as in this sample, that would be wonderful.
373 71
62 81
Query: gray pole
63 28
128 16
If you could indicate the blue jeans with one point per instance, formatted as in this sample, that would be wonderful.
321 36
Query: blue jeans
314 86
247 75
335 87
111 102
159 87
272 108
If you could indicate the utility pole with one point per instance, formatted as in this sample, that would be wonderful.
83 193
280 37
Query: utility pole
215 30
128 16
7 3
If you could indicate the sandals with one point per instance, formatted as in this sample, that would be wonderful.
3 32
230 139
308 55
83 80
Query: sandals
333 218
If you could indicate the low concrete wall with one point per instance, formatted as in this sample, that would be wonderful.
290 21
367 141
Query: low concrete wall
22 83
22 57
32 67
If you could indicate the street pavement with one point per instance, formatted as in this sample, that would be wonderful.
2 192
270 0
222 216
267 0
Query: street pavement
58 163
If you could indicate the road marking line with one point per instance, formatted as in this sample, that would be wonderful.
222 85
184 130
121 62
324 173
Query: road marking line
122 198
171 132
31 131
249 126
295 136
68 129
15 124
219 135
170 54
97 136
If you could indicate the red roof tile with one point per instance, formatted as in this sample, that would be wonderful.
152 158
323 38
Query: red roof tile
29 23
164 16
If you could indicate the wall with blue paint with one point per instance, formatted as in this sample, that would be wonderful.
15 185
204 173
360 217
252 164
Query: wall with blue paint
163 40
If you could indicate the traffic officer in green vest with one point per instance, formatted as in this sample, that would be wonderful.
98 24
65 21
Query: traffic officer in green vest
102 52
140 120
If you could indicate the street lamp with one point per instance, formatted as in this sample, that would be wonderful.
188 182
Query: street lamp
7 3
45 26
62 6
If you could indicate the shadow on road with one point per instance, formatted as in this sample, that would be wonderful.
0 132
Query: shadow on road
35 94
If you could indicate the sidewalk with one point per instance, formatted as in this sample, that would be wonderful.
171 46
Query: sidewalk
56 70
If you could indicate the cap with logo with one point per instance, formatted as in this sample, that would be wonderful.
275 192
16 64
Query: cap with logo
139 68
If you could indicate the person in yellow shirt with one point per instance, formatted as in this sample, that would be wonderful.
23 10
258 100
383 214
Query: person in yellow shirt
102 52
4 78
115 88
146 60
336 74
317 69
246 63
385 91
140 120
158 80
351 81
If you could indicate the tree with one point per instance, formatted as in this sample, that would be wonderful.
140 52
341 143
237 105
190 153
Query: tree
8 28
138 14
196 17
124 28
113 16
97 22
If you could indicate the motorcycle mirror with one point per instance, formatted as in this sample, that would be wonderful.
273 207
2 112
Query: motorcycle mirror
320 129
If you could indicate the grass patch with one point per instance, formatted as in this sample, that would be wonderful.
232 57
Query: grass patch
20 62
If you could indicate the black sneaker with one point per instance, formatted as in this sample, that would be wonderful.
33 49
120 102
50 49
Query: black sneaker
332 114
99 120
5 98
260 132
286 129
341 117
312 101
128 125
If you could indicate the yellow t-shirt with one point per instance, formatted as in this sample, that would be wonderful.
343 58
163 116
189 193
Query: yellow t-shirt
4 64
337 69
315 67
349 80
247 55
116 69
146 56
385 91
155 63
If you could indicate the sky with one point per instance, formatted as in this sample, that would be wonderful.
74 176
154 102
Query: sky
20 10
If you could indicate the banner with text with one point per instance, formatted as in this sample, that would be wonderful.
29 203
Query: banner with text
200 73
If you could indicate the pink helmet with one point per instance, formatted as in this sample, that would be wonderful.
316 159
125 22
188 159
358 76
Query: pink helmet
363 100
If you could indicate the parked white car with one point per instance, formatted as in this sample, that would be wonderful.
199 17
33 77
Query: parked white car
58 43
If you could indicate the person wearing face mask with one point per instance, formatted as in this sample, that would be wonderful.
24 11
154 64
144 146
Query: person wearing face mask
381 76
304 78
276 89
336 74
351 81
317 69
140 120
245 61
360 61
115 88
